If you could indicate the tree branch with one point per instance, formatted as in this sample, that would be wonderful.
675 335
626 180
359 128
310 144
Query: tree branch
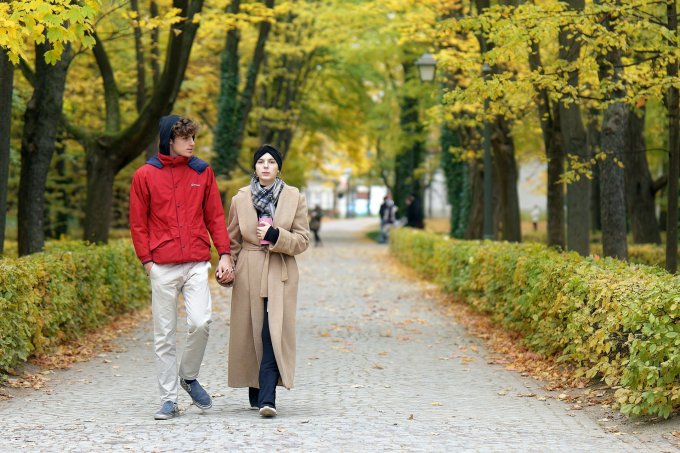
111 95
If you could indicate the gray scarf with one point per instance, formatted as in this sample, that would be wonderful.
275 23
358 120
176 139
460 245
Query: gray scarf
265 198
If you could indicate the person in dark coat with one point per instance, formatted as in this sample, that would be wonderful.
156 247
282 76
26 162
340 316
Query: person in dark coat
414 212
315 224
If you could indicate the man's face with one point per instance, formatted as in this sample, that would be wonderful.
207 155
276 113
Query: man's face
182 146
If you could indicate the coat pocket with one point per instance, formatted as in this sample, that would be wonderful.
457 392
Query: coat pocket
159 239
199 237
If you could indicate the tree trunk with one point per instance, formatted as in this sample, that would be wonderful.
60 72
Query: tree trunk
100 177
612 184
6 91
506 175
593 145
457 182
639 190
575 145
41 122
672 103
475 226
612 187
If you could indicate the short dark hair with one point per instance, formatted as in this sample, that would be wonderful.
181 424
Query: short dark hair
185 128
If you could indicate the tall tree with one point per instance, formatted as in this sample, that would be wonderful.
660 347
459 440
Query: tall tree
408 161
109 150
234 106
507 221
575 141
41 122
6 92
672 98
614 125
457 182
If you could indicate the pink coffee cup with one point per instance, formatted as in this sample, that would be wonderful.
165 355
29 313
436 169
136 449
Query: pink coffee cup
264 221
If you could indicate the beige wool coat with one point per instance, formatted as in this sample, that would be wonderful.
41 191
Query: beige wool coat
265 271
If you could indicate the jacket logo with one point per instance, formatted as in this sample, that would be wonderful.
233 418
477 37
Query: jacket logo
195 185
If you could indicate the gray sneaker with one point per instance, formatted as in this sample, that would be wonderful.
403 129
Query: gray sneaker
167 411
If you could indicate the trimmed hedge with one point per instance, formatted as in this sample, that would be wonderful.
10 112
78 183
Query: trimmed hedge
611 320
51 297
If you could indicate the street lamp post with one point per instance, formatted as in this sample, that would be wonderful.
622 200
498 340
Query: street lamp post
488 165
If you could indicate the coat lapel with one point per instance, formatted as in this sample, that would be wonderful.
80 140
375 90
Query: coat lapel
247 214
286 208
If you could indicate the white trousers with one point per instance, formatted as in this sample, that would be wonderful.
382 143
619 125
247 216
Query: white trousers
167 281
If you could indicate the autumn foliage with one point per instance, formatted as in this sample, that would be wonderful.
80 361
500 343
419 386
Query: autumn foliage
612 321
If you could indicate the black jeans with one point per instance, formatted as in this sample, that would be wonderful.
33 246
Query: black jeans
269 370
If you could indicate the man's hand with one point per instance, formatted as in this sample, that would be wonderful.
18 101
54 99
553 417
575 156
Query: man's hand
225 270
148 266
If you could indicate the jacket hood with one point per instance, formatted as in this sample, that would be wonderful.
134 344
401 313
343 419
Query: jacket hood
165 127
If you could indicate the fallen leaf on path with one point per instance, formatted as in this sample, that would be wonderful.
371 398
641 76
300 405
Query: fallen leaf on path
377 366
410 417
437 403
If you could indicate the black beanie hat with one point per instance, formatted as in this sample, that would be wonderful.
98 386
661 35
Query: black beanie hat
264 149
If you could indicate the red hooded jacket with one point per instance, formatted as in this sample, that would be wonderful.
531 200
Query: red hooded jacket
174 203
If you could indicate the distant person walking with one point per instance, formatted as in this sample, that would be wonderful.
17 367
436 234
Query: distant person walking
535 215
414 212
388 217
315 224
174 204
268 226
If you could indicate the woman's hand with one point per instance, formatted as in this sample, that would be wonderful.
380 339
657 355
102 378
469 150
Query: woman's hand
262 229
225 270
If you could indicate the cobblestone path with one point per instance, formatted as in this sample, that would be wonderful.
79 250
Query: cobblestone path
376 371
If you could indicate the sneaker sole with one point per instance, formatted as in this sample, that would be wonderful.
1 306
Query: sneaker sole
201 406
267 412
164 417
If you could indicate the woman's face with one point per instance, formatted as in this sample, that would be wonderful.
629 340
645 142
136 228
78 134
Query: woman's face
266 169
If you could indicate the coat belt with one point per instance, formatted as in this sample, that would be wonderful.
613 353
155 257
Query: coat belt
265 268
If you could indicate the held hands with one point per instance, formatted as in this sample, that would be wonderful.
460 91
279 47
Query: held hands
262 229
225 270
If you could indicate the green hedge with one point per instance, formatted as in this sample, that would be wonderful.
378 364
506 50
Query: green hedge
611 320
51 297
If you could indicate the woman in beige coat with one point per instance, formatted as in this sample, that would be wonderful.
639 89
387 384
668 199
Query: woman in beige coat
267 227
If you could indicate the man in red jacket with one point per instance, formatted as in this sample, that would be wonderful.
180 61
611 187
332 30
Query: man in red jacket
174 204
